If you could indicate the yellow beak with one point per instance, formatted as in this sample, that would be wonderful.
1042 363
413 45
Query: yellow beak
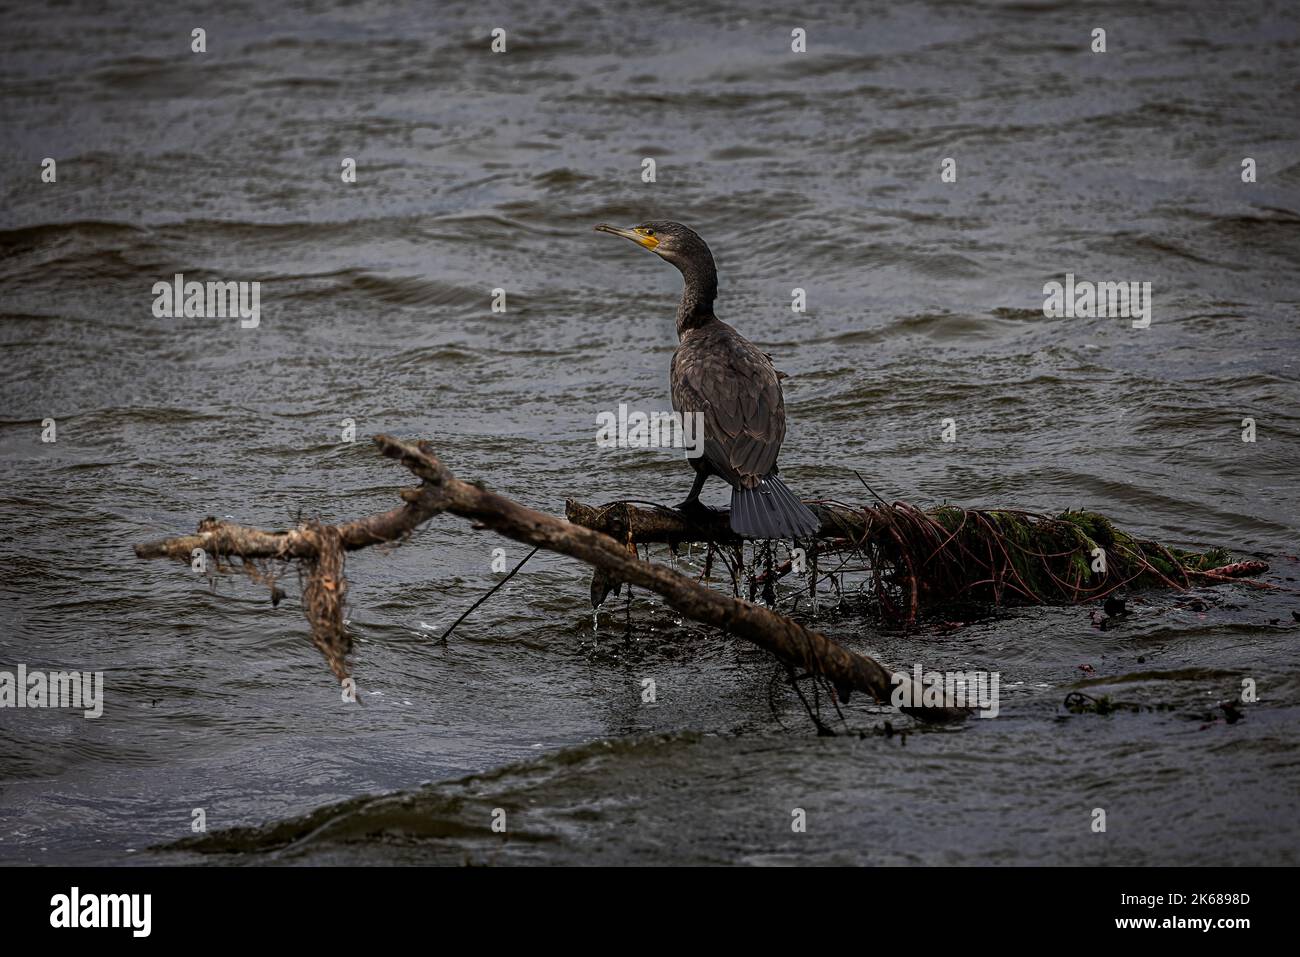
641 239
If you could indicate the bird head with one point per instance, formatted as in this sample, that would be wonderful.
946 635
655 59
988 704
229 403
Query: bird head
678 244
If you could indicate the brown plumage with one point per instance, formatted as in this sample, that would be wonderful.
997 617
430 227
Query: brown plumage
722 375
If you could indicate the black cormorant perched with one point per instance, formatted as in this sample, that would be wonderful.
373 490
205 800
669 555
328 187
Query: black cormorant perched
718 372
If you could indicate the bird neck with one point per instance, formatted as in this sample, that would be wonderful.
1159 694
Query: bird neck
696 307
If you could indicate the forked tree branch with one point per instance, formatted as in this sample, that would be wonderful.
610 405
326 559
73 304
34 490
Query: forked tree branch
318 548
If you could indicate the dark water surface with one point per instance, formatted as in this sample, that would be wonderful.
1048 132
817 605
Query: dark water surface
477 171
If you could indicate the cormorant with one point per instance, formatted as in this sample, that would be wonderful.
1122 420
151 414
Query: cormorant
718 372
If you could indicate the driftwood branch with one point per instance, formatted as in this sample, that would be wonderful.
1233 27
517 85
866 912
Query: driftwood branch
659 525
319 550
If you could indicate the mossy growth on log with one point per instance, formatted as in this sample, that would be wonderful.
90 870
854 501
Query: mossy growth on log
1022 557
919 560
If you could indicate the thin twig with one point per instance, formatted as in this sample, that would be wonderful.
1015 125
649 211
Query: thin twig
491 591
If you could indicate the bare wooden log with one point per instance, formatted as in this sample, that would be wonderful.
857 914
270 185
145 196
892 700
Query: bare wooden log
645 526
220 538
320 549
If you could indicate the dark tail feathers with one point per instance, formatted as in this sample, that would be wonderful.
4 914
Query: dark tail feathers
770 510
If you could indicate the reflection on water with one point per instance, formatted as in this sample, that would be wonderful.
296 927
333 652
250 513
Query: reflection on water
818 171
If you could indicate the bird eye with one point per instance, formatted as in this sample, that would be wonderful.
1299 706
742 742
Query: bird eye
648 232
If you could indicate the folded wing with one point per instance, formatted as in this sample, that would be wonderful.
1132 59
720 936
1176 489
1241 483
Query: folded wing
724 376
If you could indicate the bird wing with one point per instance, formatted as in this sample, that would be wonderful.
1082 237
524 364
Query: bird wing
723 375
